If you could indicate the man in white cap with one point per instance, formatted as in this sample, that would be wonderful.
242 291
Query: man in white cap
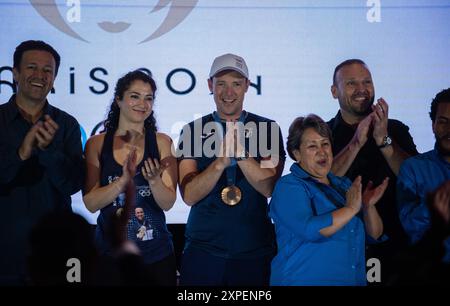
227 170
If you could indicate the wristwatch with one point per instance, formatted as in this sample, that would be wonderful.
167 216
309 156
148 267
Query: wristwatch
243 157
386 142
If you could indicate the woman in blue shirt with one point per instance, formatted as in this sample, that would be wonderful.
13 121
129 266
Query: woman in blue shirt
320 219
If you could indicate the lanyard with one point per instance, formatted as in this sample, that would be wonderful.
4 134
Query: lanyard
230 171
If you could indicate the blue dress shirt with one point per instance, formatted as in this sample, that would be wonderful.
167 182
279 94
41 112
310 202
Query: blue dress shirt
418 176
300 207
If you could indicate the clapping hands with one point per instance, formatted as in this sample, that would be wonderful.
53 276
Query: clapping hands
372 195
39 136
367 199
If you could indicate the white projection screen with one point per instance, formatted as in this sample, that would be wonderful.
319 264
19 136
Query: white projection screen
291 48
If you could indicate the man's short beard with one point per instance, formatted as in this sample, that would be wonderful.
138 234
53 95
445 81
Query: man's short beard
367 110
364 113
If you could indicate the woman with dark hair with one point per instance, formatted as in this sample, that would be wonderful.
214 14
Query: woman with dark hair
131 154
320 219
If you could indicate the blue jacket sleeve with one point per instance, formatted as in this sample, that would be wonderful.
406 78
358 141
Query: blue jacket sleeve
291 207
413 212
65 165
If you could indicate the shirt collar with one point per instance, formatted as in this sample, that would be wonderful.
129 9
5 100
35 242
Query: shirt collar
12 110
302 174
48 110
242 117
339 121
336 181
299 172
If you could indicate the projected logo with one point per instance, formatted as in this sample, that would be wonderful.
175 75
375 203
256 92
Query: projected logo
177 11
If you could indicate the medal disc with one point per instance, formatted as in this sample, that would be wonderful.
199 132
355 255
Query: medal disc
231 195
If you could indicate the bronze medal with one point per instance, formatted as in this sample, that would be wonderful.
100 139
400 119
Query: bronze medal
231 195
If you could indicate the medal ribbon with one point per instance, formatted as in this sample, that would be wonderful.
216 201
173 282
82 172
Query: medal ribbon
230 171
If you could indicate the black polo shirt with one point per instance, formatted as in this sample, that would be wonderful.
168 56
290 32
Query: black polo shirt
371 165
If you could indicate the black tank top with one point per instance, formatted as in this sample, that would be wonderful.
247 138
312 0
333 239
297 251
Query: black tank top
147 224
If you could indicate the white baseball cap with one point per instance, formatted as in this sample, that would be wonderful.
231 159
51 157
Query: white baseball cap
229 62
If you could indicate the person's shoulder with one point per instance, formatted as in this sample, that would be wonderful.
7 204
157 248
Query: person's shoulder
331 122
419 158
201 120
414 165
282 183
97 138
6 108
187 131
163 139
95 142
289 179
3 111
63 115
394 123
3 106
399 131
257 118
290 185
